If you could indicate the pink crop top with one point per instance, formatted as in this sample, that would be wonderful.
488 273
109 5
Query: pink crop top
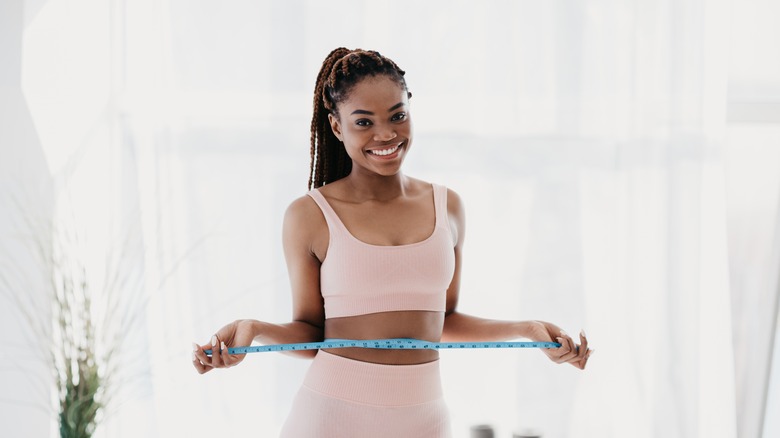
357 278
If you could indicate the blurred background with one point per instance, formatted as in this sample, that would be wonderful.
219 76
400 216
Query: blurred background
619 162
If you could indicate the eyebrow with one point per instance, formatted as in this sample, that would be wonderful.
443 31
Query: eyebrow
394 107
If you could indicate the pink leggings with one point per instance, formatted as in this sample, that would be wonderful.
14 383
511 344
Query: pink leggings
344 398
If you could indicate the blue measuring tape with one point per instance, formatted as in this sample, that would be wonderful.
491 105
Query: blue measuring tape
387 344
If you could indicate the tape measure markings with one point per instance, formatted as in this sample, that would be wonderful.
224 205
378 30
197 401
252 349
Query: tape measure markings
386 344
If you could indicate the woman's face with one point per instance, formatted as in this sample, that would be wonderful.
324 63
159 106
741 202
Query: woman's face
375 126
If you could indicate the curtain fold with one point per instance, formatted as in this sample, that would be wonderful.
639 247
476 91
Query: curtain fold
26 202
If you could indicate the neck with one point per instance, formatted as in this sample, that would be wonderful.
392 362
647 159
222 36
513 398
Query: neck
378 187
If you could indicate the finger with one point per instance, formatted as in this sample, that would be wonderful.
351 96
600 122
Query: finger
584 361
575 349
583 348
570 344
199 367
562 353
573 356
569 340
568 357
225 356
200 354
564 349
576 355
216 357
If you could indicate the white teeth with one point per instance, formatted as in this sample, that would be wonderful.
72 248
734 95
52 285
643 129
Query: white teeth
385 151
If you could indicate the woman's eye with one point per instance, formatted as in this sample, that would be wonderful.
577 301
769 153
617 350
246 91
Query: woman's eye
399 116
363 122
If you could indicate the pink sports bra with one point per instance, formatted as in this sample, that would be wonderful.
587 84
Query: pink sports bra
358 278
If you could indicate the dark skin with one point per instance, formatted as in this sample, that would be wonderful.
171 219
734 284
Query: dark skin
379 205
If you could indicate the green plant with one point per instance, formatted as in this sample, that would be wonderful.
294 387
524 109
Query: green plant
82 324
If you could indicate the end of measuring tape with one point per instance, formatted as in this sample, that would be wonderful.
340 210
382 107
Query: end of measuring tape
386 344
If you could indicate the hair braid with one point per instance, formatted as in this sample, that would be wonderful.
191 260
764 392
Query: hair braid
318 128
340 71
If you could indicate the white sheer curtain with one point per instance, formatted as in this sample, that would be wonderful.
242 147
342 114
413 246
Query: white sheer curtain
752 159
586 138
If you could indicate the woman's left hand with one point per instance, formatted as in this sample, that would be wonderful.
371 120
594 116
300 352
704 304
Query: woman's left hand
569 351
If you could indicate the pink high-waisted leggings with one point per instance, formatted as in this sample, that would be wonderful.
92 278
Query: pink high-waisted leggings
345 398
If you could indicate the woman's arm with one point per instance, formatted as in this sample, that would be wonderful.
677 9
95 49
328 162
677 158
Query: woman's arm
460 327
242 332
304 239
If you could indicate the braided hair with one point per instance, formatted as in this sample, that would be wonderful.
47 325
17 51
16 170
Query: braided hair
340 72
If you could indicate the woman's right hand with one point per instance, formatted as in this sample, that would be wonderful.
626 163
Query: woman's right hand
238 333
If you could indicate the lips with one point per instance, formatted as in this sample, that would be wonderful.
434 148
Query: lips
386 151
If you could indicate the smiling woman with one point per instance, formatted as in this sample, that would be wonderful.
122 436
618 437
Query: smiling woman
372 254
375 137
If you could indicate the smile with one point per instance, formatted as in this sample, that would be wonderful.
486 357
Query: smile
383 152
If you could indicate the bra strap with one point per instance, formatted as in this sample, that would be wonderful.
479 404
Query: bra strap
440 204
334 223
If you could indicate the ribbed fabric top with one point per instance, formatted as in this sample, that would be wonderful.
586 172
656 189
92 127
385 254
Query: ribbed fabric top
358 278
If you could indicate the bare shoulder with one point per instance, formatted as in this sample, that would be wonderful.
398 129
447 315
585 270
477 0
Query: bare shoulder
305 227
457 216
303 211
454 202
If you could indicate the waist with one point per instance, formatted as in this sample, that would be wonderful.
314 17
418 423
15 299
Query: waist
415 324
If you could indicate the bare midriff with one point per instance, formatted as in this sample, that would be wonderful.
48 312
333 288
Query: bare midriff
423 325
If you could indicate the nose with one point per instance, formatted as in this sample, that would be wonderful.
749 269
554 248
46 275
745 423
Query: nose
385 134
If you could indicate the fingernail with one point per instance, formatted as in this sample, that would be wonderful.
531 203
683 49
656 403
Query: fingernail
582 333
195 347
223 346
214 341
563 333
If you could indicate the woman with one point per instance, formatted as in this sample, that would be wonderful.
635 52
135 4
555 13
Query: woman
372 254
